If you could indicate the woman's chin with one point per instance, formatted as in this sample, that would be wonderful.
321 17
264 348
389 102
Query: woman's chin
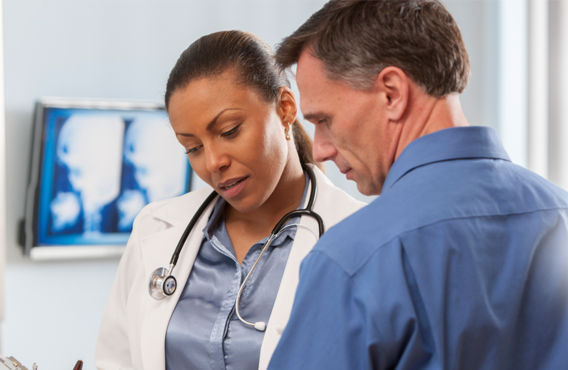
244 204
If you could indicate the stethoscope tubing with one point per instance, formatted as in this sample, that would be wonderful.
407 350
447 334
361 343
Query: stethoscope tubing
162 283
299 212
261 325
190 227
308 211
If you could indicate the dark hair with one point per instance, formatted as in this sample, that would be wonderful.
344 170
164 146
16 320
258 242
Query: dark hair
253 61
356 40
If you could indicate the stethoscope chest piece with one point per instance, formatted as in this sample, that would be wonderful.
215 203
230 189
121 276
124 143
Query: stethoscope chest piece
161 284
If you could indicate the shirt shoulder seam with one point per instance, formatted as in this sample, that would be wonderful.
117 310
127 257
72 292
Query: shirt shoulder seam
405 232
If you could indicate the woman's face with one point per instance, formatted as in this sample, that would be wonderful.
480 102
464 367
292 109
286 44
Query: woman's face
235 140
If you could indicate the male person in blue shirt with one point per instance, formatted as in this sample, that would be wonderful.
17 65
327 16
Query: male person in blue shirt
462 262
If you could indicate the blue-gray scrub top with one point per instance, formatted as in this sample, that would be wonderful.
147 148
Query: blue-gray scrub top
204 331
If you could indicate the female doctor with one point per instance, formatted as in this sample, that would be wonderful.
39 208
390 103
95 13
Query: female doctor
235 115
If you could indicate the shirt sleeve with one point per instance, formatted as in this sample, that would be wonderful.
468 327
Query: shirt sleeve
370 319
327 327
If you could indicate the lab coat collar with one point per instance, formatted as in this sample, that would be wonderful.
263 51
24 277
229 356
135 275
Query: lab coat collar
184 210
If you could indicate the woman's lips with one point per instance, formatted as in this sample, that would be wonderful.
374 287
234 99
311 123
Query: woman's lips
232 187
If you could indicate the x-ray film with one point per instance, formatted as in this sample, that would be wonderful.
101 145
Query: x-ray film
97 168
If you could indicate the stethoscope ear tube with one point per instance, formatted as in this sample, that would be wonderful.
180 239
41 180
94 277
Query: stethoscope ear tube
296 213
162 283
189 227
308 211
314 188
261 325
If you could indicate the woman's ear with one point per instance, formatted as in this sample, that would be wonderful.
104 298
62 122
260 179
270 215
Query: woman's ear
393 85
287 107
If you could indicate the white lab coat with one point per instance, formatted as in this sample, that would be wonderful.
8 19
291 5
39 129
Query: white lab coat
133 329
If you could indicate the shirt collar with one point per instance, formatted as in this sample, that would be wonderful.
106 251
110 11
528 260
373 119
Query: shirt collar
445 145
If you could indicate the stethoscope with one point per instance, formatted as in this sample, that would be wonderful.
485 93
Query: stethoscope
162 283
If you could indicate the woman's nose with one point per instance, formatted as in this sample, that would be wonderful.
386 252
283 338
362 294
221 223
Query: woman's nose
215 159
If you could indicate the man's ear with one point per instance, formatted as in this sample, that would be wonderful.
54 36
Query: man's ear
394 88
287 106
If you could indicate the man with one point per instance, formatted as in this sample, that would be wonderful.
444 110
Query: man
462 262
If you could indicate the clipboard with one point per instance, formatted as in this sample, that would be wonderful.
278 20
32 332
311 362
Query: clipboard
13 364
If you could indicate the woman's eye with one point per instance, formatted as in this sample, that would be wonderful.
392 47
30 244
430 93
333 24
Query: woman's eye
193 150
231 132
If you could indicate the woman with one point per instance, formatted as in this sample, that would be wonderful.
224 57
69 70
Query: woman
234 113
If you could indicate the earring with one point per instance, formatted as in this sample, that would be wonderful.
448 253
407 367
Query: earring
287 130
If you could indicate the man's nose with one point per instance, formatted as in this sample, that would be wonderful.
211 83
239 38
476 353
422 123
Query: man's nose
324 150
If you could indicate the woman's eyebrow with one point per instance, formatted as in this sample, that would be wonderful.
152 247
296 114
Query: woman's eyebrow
214 120
211 124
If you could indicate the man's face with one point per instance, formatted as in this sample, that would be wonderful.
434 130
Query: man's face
351 128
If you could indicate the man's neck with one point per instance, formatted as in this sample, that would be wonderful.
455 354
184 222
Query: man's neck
427 114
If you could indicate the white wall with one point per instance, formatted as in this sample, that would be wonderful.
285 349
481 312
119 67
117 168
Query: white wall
124 49
558 93
496 36
2 176
513 78
479 24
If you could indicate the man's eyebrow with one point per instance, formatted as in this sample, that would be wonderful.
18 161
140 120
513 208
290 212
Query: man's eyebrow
210 124
311 116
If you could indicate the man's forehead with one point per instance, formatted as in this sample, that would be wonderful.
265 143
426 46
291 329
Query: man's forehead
315 87
310 70
318 92
313 72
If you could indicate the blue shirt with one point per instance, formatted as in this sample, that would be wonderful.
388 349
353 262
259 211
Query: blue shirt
461 263
204 331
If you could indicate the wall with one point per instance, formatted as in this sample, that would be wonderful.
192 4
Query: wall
2 176
124 50
479 24
497 35
558 93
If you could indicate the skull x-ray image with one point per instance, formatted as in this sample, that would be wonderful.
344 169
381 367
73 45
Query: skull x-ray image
101 168
90 150
156 174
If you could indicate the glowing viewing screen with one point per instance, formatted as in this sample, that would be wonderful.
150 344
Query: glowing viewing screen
100 168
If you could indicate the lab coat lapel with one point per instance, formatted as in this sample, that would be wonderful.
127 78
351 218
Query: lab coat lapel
157 251
304 241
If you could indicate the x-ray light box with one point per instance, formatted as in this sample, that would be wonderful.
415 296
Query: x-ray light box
95 165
